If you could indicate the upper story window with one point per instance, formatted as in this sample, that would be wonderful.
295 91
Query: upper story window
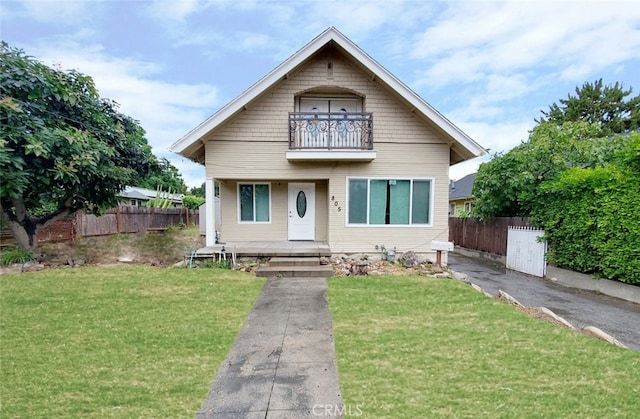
341 104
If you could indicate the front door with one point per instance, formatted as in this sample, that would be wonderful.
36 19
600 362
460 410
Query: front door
302 211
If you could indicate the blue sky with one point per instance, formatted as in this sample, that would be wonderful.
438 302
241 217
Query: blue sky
490 67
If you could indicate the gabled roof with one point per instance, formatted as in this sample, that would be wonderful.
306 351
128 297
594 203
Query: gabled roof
462 188
462 146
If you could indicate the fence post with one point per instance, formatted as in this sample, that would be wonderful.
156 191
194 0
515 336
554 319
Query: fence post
118 219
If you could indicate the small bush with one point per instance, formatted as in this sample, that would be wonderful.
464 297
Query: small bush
14 254
222 264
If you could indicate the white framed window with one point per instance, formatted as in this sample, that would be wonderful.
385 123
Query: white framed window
254 202
468 206
389 201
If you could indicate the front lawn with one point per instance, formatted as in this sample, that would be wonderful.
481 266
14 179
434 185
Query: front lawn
416 347
128 341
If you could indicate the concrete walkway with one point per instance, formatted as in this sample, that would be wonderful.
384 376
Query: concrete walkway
282 364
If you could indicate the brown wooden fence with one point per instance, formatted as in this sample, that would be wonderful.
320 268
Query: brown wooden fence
489 237
63 230
126 219
123 219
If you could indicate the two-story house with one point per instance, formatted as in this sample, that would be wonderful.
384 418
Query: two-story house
331 147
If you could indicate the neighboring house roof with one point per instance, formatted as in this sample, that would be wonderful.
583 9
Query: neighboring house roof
461 145
133 192
459 189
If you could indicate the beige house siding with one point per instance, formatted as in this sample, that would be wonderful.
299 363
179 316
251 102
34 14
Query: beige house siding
277 228
252 147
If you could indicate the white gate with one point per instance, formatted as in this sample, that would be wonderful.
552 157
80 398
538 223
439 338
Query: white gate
525 252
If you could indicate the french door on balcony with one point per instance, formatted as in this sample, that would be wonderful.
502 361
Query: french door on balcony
329 123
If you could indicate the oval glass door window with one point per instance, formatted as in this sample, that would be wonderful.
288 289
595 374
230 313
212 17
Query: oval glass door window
301 204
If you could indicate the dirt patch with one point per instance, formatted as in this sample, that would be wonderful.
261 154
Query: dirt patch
150 248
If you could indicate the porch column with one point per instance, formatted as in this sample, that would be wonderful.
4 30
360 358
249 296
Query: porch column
210 213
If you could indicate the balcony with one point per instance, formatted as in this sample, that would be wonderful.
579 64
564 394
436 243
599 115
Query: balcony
331 136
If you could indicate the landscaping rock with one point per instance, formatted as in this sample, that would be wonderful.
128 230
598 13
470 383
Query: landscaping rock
477 288
555 317
461 276
504 296
409 259
11 269
594 331
32 267
359 268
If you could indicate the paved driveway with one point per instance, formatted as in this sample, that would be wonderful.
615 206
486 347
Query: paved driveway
619 318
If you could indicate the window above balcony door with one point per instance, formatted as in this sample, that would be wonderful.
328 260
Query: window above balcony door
331 128
343 104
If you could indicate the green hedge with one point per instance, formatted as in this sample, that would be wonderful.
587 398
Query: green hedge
591 218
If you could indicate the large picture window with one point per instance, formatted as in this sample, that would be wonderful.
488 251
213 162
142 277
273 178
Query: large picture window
389 201
254 202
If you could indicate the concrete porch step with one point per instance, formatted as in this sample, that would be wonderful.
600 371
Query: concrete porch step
294 267
322 271
294 261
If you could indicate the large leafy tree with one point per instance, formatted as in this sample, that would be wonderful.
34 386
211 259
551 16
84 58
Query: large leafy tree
611 107
62 146
508 185
166 177
580 132
198 190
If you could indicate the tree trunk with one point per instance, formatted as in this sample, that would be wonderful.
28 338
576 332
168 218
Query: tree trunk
25 229
25 236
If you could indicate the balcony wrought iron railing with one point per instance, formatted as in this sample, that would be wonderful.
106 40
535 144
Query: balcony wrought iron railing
330 130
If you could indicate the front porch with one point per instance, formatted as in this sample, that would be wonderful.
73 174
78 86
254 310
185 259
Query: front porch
269 249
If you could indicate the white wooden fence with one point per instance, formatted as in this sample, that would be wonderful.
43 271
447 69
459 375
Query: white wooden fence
525 252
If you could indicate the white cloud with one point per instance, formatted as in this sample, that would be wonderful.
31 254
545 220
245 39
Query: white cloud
498 137
173 9
248 41
460 170
60 12
192 173
166 111
470 41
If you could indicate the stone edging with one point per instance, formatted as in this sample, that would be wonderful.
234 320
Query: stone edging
587 330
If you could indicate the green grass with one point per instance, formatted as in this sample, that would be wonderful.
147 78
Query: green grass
117 342
410 347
